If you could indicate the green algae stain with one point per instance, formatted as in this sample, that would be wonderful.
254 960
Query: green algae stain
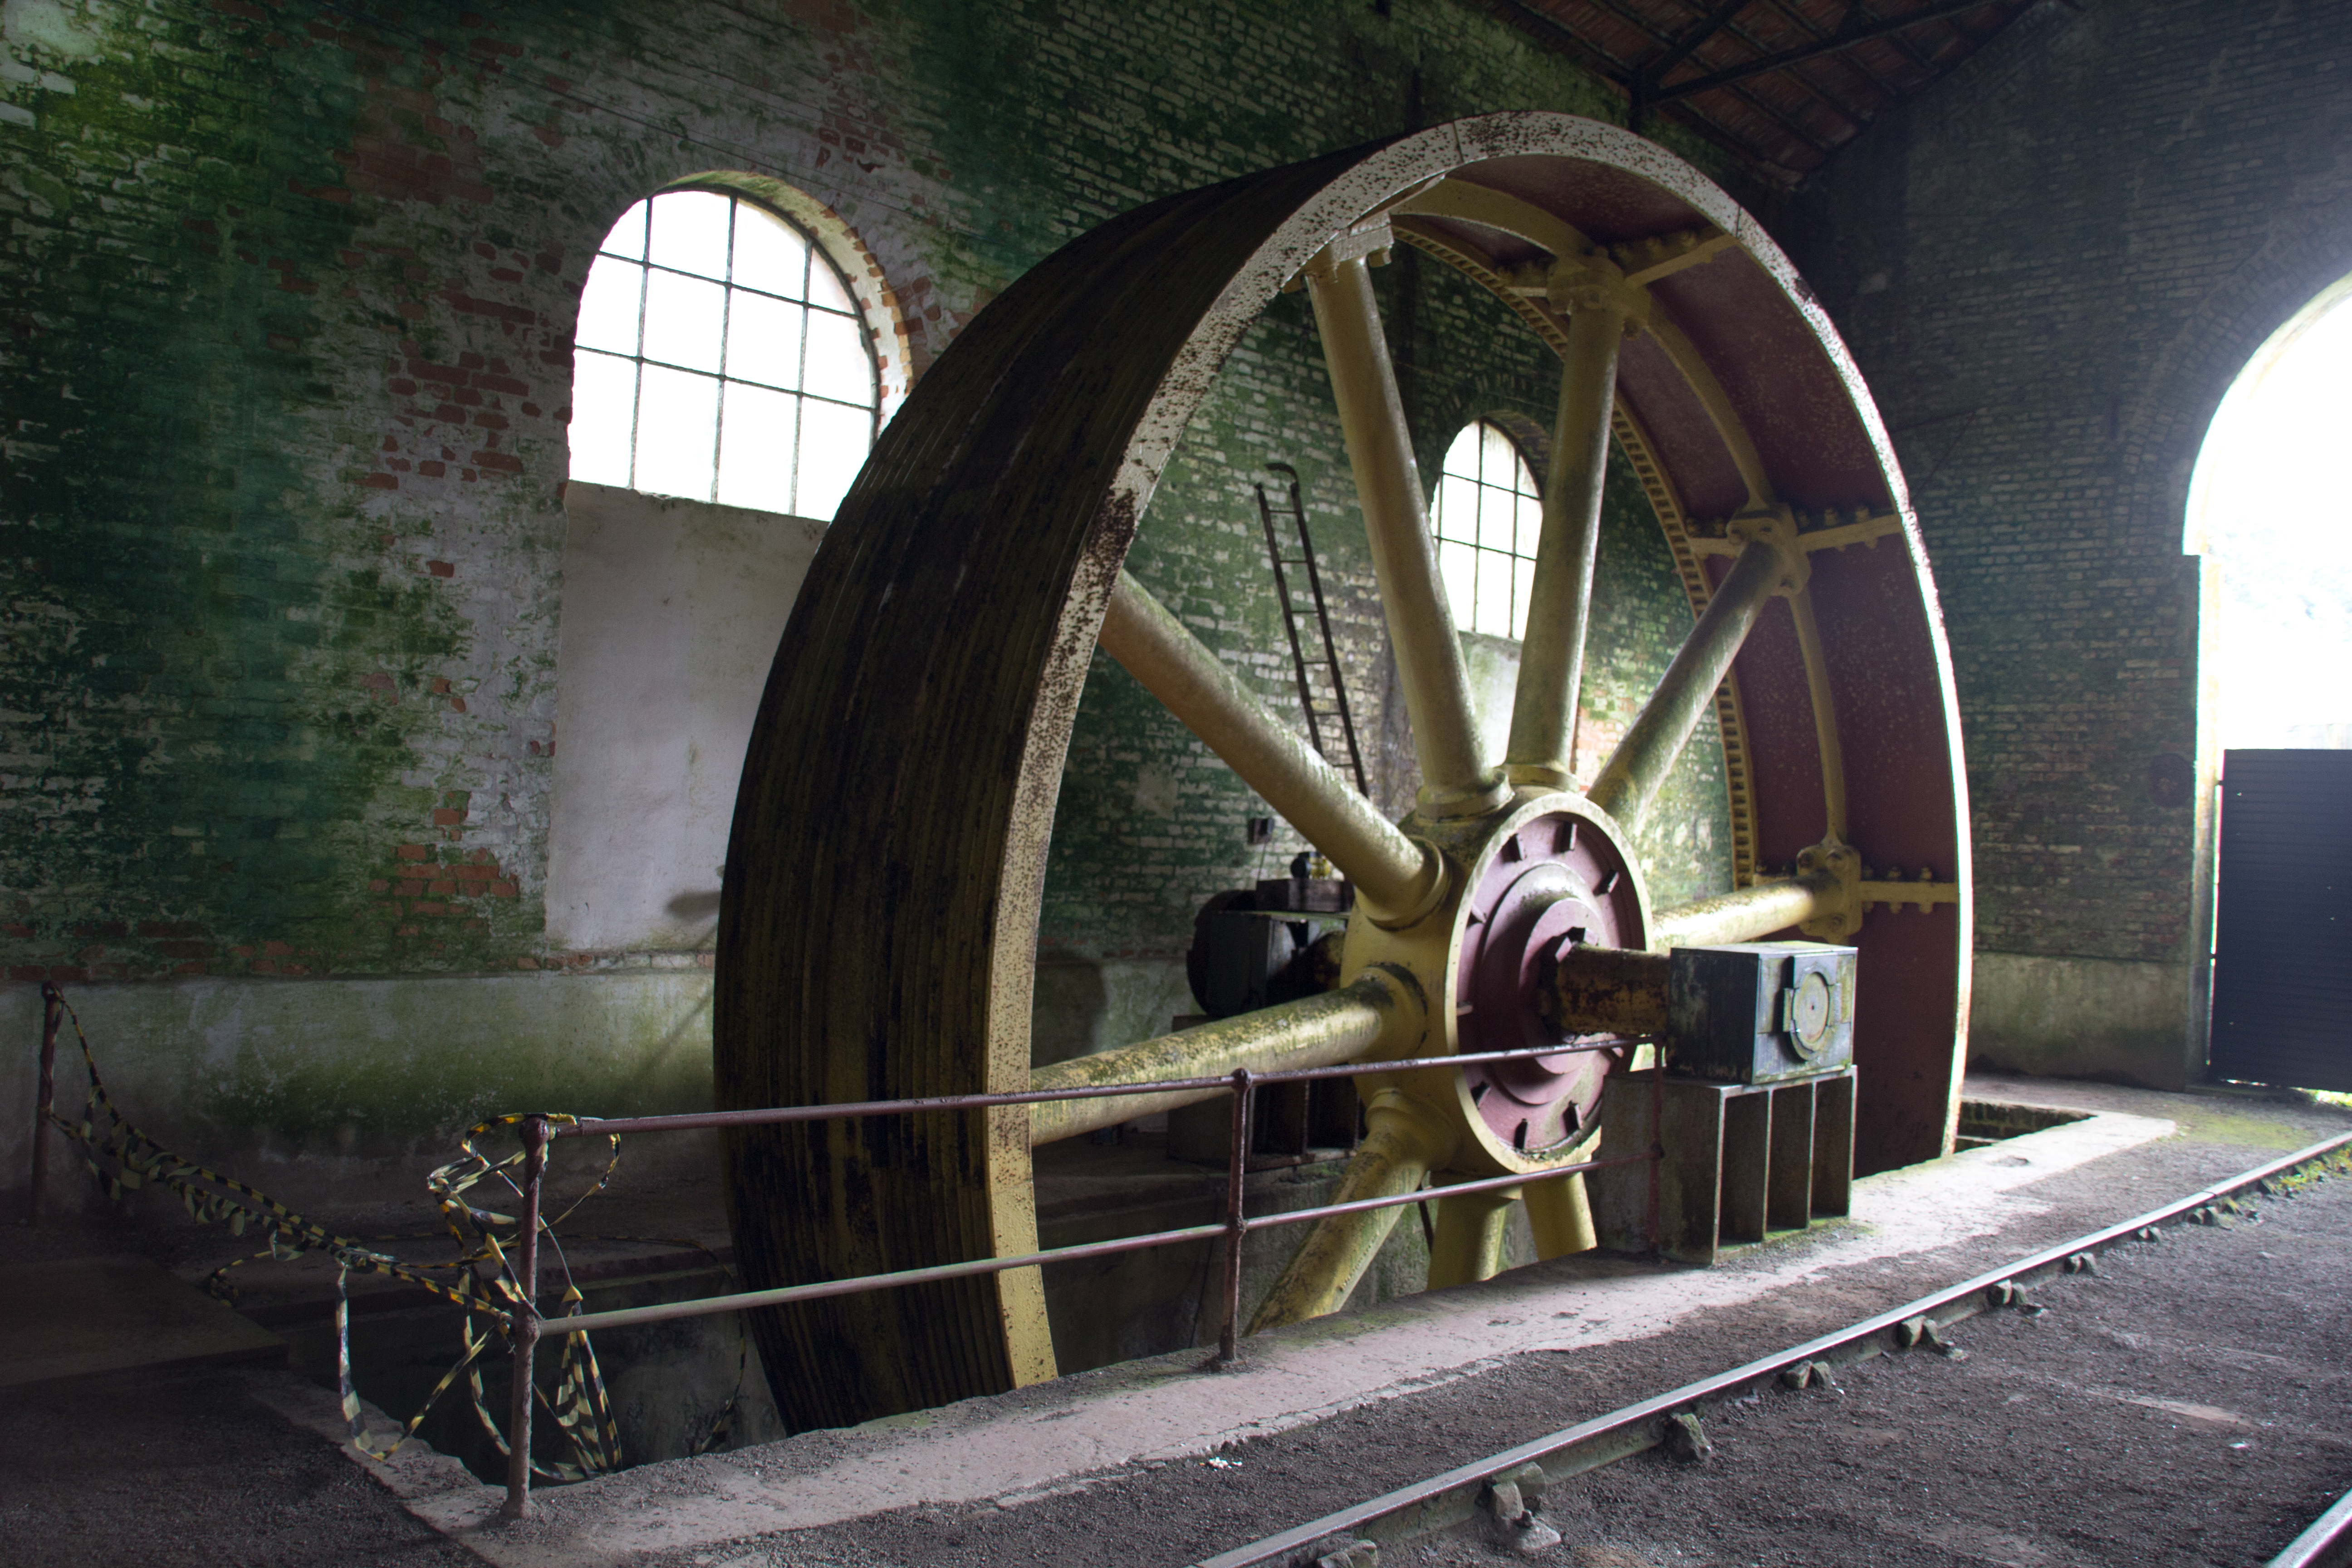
207 650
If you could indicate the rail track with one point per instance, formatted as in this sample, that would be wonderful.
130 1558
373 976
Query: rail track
1349 1538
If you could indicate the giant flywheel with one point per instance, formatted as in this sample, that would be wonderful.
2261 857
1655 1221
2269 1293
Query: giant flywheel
882 893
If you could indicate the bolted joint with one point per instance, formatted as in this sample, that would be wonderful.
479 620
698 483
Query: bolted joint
1776 526
1686 1438
1510 1501
1369 243
1596 283
1835 870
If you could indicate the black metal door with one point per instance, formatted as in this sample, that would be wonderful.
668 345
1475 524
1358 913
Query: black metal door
2283 939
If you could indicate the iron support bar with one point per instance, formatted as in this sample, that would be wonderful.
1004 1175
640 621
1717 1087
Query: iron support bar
1453 1190
1606 1438
53 1008
1647 753
600 1126
707 1306
1838 43
1299 660
1236 1217
1647 81
1455 778
522 1323
1397 876
1826 724
1559 601
526 1328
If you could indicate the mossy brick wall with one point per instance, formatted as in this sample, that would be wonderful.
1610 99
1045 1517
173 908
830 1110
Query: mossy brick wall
2051 269
288 290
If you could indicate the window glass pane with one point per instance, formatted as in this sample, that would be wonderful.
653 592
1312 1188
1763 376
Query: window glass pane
1493 593
763 340
768 255
837 365
628 235
832 450
1497 529
1457 504
1523 581
1531 524
1461 457
677 427
603 402
682 317
824 288
1498 460
690 232
608 306
1459 565
755 446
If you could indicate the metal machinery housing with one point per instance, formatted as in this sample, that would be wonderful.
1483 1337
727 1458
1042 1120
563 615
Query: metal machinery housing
878 938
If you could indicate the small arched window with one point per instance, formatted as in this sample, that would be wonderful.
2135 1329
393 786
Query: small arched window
1486 521
721 356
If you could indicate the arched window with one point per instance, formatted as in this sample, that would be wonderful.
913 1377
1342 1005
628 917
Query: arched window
721 356
2266 504
1487 520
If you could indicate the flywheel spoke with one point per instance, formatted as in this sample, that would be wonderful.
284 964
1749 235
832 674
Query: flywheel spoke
1469 1234
1394 874
1339 1026
1647 753
1403 1140
1559 1214
1745 914
1560 605
1456 779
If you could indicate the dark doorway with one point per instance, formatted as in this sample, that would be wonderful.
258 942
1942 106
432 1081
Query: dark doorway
2283 933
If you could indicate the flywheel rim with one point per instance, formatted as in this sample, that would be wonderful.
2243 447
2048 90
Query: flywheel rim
886 869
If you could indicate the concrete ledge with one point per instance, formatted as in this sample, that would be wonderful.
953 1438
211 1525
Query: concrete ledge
2083 1018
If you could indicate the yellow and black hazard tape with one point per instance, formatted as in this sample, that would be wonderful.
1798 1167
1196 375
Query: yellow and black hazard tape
581 1407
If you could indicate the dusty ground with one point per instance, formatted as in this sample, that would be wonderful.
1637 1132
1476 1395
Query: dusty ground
1916 1461
186 1469
2189 1405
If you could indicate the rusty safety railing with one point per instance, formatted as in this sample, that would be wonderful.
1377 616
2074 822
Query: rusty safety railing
527 1328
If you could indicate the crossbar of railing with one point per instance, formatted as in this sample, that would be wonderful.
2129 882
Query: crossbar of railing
527 1327
602 1126
706 1306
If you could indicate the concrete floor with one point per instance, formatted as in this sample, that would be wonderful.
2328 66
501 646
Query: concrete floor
1377 1398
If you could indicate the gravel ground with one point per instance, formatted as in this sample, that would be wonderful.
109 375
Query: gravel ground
2189 1405
187 1469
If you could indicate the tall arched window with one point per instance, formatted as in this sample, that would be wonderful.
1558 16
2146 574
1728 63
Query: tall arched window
1487 520
2266 504
721 357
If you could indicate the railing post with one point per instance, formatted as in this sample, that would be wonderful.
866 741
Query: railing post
1657 1144
53 1008
523 1323
1236 1215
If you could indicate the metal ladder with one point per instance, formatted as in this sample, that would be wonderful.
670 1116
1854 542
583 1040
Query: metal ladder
1324 698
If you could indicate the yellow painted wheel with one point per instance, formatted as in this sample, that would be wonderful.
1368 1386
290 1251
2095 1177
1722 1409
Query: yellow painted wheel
878 938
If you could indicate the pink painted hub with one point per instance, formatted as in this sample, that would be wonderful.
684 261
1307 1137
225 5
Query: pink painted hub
1558 879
